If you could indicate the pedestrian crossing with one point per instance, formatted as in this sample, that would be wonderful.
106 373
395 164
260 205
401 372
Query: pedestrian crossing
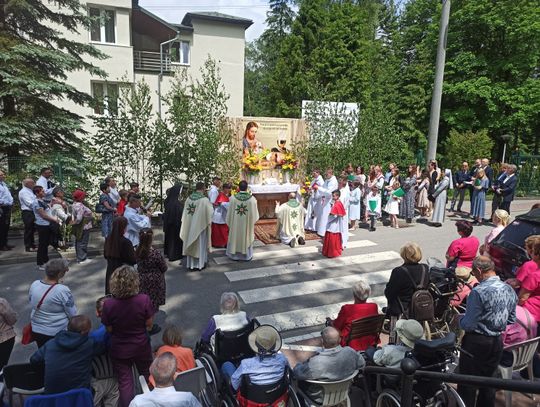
297 282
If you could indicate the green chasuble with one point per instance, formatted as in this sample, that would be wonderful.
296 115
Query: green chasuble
241 218
196 218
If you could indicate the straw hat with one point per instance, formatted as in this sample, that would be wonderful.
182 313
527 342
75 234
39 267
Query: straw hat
265 339
464 273
408 331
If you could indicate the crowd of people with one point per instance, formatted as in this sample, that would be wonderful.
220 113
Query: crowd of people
224 219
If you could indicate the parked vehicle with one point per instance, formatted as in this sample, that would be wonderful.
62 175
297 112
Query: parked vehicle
507 249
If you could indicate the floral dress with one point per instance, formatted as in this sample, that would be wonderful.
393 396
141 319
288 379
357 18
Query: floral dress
152 278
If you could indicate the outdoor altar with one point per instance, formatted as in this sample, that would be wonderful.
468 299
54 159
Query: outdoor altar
268 164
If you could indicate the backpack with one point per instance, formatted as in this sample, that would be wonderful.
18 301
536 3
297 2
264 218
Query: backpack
421 307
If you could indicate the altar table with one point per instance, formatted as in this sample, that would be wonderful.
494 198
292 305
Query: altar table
267 195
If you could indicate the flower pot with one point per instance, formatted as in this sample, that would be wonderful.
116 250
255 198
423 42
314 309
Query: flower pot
251 178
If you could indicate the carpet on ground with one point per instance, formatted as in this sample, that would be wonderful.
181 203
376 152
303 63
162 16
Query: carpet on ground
265 231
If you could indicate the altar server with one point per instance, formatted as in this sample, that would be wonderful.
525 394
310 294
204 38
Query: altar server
325 194
336 228
314 201
214 190
290 221
354 204
345 196
241 217
196 231
220 230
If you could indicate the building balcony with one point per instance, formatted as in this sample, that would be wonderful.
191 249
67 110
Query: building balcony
150 61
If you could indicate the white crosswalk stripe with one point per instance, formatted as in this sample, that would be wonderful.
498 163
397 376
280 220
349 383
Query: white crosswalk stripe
297 267
257 288
307 317
260 254
312 287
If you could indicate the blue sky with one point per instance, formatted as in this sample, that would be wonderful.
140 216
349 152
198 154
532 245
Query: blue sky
174 10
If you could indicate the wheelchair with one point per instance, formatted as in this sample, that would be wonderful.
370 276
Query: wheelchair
435 356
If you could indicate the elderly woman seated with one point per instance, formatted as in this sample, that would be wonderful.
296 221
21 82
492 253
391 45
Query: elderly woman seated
230 319
351 312
408 331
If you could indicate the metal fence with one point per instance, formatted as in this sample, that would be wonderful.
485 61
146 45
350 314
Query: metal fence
528 174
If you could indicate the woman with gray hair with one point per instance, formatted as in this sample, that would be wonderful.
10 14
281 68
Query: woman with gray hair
230 319
351 312
52 302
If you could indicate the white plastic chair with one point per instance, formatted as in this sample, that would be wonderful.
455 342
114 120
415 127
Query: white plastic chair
523 353
333 393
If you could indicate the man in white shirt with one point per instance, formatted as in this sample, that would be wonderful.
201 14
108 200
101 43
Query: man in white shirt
136 222
163 370
214 190
44 181
26 199
6 203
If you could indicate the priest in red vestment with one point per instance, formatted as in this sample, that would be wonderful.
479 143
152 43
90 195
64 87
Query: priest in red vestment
335 228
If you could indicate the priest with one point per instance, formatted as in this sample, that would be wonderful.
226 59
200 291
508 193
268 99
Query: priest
220 230
336 228
314 201
325 194
290 221
196 231
241 217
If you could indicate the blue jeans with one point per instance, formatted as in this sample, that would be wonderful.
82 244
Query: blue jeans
227 370
106 224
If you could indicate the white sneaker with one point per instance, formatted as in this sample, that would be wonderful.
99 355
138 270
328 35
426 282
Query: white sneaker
41 268
85 261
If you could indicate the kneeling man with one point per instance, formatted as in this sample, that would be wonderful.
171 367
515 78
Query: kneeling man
290 221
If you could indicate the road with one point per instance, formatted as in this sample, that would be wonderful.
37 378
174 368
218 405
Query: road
294 289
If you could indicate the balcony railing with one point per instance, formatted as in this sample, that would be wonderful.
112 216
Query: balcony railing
150 61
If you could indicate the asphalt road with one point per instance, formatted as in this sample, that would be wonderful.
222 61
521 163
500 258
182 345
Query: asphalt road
192 298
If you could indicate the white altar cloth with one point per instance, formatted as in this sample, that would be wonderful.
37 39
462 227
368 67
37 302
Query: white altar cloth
273 189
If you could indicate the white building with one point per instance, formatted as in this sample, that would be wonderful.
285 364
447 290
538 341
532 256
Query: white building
132 37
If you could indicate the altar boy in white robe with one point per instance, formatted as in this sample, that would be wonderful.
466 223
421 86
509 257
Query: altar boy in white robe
345 195
336 228
241 217
290 221
314 202
354 204
196 231
325 194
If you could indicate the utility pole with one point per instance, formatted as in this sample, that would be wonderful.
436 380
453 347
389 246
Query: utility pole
438 85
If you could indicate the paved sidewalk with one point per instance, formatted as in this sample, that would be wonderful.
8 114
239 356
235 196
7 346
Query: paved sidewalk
95 247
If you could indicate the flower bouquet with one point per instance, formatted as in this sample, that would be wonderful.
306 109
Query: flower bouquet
251 164
288 166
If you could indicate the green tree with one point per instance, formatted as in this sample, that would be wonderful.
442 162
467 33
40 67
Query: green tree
465 146
35 62
125 137
194 140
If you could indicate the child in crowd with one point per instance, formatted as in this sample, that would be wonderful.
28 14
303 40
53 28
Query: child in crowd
336 227
392 206
355 199
172 342
122 203
373 208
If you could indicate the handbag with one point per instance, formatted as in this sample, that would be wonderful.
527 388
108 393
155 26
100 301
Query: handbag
27 334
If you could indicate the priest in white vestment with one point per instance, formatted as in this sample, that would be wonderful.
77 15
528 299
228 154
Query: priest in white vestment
196 231
290 221
135 221
314 202
345 196
325 193
241 217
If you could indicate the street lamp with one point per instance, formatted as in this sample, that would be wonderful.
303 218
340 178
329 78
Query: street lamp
505 138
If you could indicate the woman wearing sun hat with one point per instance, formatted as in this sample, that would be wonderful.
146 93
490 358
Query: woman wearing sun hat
408 332
267 366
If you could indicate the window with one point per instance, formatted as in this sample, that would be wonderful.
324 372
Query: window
179 52
106 98
102 27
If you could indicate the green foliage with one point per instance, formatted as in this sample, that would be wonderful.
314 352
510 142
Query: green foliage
466 146
193 141
123 142
35 60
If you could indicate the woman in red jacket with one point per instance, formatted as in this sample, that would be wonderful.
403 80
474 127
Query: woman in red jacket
351 312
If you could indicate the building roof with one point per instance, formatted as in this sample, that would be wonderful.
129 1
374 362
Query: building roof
215 16
174 27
